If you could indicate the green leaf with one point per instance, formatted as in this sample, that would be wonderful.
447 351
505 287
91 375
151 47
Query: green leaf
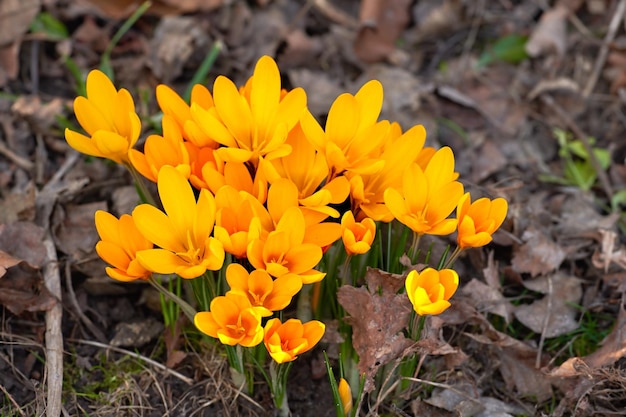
509 49
50 26
618 199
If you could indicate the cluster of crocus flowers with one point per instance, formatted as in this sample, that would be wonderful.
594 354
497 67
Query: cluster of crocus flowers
250 182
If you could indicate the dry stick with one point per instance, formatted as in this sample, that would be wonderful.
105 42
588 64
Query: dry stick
86 321
156 364
7 395
546 322
604 179
604 51
23 163
54 335
52 280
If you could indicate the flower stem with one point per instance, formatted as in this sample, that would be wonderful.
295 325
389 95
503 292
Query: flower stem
457 251
189 311
278 386
144 194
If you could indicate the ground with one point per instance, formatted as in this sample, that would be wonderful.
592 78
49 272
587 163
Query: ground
528 94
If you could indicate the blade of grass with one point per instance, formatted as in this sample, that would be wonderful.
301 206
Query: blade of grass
204 68
105 60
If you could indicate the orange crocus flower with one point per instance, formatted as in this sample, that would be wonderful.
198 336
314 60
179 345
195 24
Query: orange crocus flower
119 244
232 320
428 196
254 122
479 220
285 341
264 293
430 289
284 251
159 151
357 237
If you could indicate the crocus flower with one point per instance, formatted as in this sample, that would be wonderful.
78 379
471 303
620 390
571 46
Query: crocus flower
239 219
174 106
479 220
182 232
367 191
285 341
159 151
255 123
119 244
351 133
357 237
307 170
108 116
284 251
345 394
428 196
264 293
430 289
232 320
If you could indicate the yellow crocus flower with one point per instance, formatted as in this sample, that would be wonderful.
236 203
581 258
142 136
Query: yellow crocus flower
108 116
182 231
430 290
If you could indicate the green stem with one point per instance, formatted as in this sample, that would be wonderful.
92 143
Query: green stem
278 386
189 311
414 249
144 194
457 251
204 68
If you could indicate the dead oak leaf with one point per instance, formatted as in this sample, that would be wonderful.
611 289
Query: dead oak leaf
22 287
378 317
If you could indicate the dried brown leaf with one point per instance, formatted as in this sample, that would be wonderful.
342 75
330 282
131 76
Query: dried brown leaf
607 254
382 22
539 254
555 307
22 289
613 347
517 367
550 34
74 230
6 262
378 317
24 241
136 333
175 39
18 205
15 19
488 298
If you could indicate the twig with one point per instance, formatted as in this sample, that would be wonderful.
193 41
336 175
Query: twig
562 114
7 395
336 15
52 279
86 321
54 335
17 160
618 16
154 363
546 322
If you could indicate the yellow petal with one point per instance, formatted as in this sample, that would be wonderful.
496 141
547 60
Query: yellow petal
157 228
178 200
82 143
233 110
264 94
343 120
370 99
